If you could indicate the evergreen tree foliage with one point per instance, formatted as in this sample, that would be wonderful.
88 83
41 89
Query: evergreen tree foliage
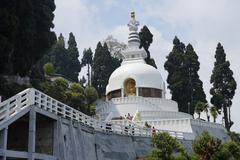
7 89
103 66
73 54
199 108
65 60
146 38
72 94
229 150
164 147
214 113
224 85
193 84
56 89
48 68
76 98
87 60
25 34
91 96
59 57
182 65
235 137
177 79
205 146
206 110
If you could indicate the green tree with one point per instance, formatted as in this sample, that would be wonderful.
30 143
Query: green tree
103 66
214 113
229 150
8 31
206 146
193 84
164 147
56 89
58 56
87 60
76 97
91 96
206 109
224 85
146 38
176 75
234 137
65 60
200 106
25 34
74 66
182 65
7 89
48 68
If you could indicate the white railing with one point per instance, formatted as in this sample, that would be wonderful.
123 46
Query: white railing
30 97
138 100
130 124
105 108
161 102
163 114
15 104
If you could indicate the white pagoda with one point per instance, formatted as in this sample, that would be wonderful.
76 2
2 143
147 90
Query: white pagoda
136 94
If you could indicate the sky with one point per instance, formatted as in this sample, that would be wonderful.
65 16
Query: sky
203 23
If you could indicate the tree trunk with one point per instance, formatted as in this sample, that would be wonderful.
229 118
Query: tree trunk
88 74
226 120
208 117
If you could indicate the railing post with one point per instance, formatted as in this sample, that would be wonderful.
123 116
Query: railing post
31 134
3 141
31 96
7 110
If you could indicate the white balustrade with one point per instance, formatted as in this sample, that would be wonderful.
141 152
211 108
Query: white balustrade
30 97
137 100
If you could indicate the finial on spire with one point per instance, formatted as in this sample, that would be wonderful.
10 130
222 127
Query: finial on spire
133 51
133 24
133 15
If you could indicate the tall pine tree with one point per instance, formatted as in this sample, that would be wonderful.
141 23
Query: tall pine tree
59 57
103 66
65 60
74 66
183 80
176 75
146 38
8 29
194 85
25 33
87 60
224 85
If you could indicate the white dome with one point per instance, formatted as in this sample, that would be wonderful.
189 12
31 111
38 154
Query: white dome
143 74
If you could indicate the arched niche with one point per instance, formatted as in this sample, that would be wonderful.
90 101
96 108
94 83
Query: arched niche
129 87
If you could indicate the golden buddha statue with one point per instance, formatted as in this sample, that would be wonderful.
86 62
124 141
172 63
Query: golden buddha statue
130 87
